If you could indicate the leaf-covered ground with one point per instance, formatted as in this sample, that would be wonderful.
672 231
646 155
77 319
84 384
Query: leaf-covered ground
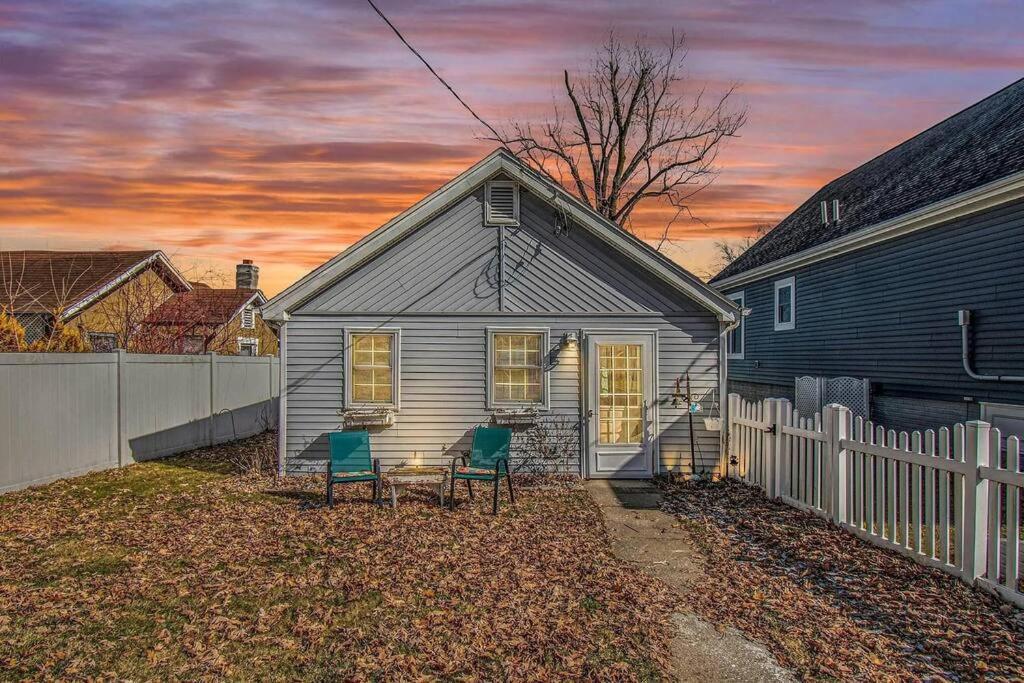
180 569
830 606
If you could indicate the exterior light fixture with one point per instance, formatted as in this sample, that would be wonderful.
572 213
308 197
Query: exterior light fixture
569 339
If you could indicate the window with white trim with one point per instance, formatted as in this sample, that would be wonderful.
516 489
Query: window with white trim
516 376
785 304
248 318
372 362
501 203
248 346
736 340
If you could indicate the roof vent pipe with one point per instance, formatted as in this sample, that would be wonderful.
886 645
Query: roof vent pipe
964 318
824 212
835 210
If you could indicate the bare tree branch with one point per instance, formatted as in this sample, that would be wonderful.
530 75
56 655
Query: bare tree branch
635 132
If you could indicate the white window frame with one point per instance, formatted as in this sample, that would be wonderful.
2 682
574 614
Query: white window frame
249 340
781 284
248 318
396 367
545 385
741 329
491 220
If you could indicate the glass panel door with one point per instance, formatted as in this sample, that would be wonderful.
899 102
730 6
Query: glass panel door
620 394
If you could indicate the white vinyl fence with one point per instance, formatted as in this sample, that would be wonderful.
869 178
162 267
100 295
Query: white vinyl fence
62 414
950 500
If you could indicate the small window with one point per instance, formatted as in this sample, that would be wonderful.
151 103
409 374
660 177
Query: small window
501 203
373 368
103 342
785 304
736 339
193 344
248 318
516 368
248 346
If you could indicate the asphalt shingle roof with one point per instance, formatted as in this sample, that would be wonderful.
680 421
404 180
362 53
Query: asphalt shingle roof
202 305
979 145
43 281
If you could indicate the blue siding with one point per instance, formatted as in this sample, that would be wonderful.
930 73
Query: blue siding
889 312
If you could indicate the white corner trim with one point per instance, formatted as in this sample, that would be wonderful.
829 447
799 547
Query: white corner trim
996 193
499 161
779 326
127 275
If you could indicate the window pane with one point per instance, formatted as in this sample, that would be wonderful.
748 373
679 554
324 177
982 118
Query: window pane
620 398
516 370
372 371
784 304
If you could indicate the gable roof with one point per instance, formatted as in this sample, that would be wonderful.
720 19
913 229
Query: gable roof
503 162
203 305
967 152
43 281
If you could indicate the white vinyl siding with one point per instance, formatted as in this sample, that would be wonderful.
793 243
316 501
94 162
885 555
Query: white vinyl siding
785 304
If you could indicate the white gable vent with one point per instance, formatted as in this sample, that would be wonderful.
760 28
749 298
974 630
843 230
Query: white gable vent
501 206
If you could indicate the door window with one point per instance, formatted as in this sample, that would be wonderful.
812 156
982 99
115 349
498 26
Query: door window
620 394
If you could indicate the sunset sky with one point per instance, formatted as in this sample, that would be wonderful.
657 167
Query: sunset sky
284 131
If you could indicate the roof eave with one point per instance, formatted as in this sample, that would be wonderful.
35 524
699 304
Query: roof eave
988 196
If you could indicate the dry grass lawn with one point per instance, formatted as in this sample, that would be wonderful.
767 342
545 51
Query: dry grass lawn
182 570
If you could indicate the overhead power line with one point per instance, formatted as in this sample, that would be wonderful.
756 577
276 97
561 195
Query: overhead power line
436 75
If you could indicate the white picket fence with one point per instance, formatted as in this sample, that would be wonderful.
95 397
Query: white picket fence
950 500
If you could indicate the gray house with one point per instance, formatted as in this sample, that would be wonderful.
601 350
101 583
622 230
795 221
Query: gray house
500 298
907 271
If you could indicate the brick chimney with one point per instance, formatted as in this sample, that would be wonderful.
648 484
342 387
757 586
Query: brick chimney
247 275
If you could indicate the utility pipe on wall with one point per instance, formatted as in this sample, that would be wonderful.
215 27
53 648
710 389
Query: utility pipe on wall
964 318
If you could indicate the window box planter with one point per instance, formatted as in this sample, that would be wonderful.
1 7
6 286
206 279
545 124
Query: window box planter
511 416
378 417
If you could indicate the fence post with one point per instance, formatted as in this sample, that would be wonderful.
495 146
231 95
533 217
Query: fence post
974 545
836 420
212 355
785 417
734 411
772 410
123 448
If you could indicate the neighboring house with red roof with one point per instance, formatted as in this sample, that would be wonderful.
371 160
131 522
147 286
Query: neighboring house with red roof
106 294
205 319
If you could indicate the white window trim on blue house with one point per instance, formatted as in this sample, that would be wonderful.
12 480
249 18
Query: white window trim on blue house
396 367
780 285
740 331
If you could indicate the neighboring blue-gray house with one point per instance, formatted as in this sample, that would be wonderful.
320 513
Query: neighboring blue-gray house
868 279
501 298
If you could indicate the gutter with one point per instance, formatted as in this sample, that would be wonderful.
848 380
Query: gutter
964 318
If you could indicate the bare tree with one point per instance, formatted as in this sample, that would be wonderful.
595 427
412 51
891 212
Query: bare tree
632 129
727 251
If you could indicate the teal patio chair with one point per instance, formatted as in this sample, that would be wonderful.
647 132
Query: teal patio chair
350 462
488 461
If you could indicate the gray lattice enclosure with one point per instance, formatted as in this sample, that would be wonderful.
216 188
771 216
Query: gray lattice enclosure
814 393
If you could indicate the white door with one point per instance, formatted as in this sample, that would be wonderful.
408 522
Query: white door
620 405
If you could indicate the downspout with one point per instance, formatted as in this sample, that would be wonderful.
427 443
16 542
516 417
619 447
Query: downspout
964 317
723 387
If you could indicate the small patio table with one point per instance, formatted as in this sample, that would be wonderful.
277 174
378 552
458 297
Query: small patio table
400 478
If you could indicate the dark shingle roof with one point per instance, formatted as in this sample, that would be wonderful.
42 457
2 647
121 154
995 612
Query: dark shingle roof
201 306
981 144
44 281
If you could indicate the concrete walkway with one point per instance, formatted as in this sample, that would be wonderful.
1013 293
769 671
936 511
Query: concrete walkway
640 532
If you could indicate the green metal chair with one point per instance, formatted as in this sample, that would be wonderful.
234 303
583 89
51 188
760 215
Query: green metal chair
350 462
488 461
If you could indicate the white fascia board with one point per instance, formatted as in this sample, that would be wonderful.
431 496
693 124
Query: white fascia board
991 195
498 161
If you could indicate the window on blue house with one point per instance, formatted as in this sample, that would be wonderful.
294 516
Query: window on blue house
735 341
785 304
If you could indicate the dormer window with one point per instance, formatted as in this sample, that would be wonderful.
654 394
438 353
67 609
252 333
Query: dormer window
501 203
